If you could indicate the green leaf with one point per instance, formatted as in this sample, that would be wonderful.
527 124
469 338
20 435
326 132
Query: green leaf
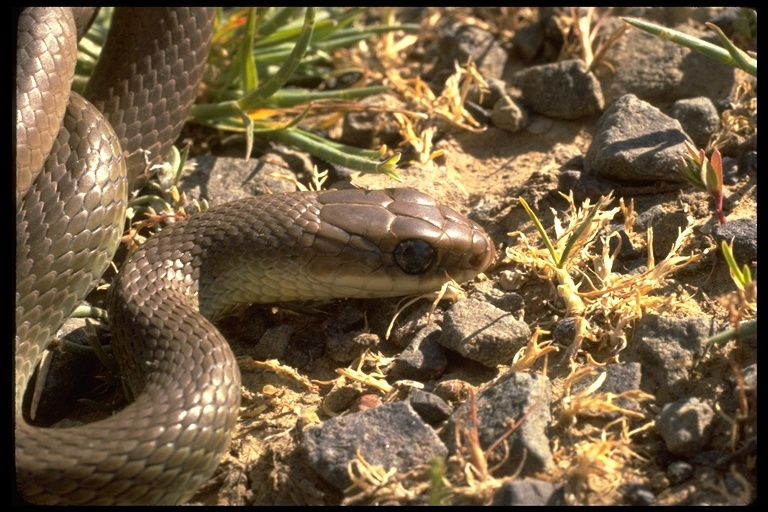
744 62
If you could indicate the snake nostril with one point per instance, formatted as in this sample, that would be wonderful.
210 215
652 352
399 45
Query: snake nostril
415 256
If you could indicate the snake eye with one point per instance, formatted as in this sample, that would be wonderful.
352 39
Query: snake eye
414 256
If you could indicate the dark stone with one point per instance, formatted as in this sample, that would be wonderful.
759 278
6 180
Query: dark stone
391 435
743 232
699 118
666 348
562 90
686 426
636 142
482 332
529 493
515 397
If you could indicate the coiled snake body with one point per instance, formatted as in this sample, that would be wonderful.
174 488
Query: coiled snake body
300 246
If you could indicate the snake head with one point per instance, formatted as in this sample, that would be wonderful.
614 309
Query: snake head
395 242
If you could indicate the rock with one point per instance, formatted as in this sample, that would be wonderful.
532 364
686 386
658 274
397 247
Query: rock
432 409
482 332
510 302
527 41
620 377
679 471
420 317
273 344
508 115
487 97
370 128
583 185
685 426
424 359
731 174
667 348
513 397
346 347
638 495
562 90
529 492
699 118
649 217
224 179
660 71
636 142
458 43
341 398
666 229
392 436
743 232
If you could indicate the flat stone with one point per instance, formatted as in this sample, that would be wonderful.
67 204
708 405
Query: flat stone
391 435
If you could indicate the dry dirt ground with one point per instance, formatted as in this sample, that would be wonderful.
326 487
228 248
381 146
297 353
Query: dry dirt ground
499 168
496 168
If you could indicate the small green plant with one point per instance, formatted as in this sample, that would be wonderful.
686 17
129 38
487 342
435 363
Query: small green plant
265 51
257 60
705 174
727 54
742 277
560 259
744 306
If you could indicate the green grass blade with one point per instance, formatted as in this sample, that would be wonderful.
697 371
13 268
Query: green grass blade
276 20
710 50
337 153
576 235
285 98
540 229
742 58
271 86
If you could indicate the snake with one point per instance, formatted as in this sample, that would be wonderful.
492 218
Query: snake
77 159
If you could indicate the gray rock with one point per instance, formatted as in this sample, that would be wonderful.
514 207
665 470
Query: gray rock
699 118
424 359
649 217
273 343
636 142
515 396
665 232
391 435
458 43
731 174
508 115
482 332
667 348
369 128
583 185
660 71
565 331
638 495
620 377
743 232
224 179
529 492
345 347
527 41
686 426
420 317
748 162
433 409
510 302
562 90
679 471
487 97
